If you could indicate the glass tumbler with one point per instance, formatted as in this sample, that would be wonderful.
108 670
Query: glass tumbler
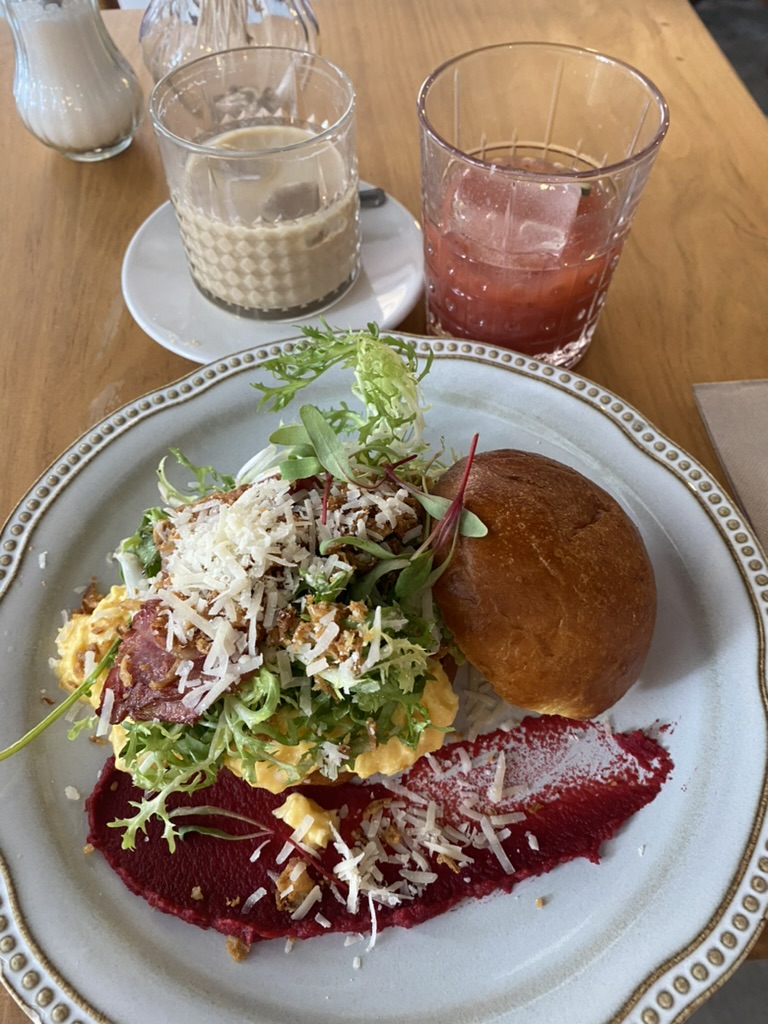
533 160
258 146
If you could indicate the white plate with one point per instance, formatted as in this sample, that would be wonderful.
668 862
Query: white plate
163 300
647 934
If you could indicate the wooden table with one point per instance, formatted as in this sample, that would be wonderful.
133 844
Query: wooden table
688 303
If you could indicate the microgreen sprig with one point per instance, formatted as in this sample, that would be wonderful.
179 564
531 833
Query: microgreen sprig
456 519
207 479
80 691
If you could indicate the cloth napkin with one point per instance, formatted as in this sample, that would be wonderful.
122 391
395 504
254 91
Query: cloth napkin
735 414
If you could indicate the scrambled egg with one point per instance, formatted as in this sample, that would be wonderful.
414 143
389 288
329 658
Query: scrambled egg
389 758
93 632
267 775
392 757
87 635
297 807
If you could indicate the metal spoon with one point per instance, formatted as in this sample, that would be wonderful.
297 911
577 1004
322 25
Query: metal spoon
370 197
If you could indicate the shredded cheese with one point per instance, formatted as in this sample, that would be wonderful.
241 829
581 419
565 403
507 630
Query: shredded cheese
495 845
496 789
107 703
233 564
257 852
312 897
253 899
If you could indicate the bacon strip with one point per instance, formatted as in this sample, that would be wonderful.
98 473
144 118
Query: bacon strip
144 677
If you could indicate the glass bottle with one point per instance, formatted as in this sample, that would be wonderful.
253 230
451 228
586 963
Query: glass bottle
175 31
73 88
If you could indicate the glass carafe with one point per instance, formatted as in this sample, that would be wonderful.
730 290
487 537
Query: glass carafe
173 32
74 90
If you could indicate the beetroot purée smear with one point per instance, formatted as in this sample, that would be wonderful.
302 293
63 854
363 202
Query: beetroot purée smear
571 784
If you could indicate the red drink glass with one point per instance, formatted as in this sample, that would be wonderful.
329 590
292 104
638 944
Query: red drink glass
534 157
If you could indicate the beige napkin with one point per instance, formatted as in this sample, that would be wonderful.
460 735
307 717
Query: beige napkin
735 414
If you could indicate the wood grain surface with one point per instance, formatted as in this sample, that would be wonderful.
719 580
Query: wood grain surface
689 301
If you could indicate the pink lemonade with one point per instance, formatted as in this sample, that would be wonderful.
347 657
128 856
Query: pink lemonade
523 263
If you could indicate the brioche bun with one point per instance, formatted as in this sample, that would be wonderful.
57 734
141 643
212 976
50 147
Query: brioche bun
556 605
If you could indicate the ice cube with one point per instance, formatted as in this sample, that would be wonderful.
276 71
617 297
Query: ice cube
292 201
514 215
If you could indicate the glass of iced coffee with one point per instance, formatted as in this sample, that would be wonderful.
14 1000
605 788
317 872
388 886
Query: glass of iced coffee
534 157
258 146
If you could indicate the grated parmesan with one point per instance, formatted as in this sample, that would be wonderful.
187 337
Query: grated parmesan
253 899
496 789
231 566
312 897
496 847
257 852
107 703
374 923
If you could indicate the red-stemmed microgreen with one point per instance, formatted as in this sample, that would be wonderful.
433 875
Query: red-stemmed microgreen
452 523
416 570
449 513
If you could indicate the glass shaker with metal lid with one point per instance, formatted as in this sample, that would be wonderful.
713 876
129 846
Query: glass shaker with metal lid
74 90
173 32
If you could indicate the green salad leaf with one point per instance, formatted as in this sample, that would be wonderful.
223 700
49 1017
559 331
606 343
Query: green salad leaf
206 480
387 380
141 545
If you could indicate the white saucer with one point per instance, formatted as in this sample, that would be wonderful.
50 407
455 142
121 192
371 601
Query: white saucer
165 303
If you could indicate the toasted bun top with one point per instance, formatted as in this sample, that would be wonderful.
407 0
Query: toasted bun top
556 605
